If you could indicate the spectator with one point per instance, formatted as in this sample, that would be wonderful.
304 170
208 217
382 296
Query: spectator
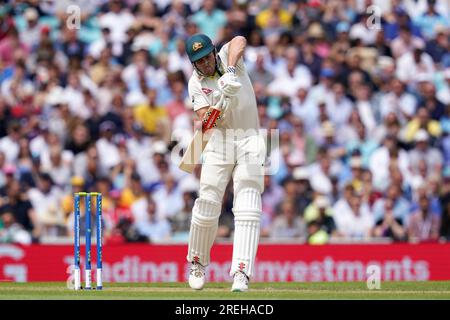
288 224
118 19
303 142
177 107
58 165
305 108
210 20
423 151
444 232
360 142
405 42
413 64
46 200
156 230
270 198
393 202
133 196
357 222
107 148
149 114
381 160
370 194
181 221
321 172
437 48
18 89
422 120
430 20
169 198
290 76
423 225
321 214
359 31
67 203
30 35
339 107
429 100
18 204
389 226
11 231
443 94
273 16
259 74
399 102
316 235
118 219
72 46
10 44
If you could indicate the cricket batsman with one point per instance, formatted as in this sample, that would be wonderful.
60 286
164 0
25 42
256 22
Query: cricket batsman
240 157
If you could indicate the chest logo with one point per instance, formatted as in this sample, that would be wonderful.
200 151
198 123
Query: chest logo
206 91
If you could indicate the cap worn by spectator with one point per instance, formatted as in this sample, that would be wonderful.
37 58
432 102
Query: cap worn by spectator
342 27
356 162
447 74
390 136
45 29
300 173
327 73
140 44
77 181
46 177
316 31
419 45
294 159
9 169
115 194
107 126
423 77
137 127
385 62
159 147
327 129
446 172
321 202
188 186
31 14
421 136
135 177
440 29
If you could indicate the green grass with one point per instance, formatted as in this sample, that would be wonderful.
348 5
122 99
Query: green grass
269 290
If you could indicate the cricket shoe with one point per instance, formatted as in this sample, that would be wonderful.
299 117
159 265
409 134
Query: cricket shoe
197 276
240 282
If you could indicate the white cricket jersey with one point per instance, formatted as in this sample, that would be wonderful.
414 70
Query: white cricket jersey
242 112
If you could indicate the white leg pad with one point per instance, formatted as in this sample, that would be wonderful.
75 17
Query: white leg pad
204 223
247 216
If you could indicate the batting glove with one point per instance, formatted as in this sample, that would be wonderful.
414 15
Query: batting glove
229 84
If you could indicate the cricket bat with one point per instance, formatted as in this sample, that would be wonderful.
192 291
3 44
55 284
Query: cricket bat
191 156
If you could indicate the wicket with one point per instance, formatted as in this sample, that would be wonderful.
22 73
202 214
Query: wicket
88 270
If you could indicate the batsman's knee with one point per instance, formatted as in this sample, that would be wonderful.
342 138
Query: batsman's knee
247 203
206 212
211 193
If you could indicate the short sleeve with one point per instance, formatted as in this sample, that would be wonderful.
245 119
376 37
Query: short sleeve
198 100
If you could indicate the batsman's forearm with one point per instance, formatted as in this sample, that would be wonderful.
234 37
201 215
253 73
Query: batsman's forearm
201 112
236 50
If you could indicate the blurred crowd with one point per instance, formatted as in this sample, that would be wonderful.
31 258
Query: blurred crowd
358 89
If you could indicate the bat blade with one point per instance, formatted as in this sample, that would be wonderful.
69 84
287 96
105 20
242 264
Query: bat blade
191 156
